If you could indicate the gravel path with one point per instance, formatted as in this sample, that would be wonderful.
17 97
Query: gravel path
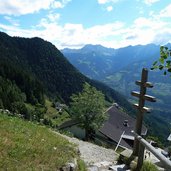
92 153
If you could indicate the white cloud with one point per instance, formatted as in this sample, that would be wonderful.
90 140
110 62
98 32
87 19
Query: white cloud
107 1
60 4
21 7
166 12
74 35
53 17
149 23
57 4
109 8
117 34
150 2
148 30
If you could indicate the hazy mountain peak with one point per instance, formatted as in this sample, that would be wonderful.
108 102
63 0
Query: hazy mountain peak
93 47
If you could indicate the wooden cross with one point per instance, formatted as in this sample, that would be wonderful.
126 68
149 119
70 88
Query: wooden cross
140 106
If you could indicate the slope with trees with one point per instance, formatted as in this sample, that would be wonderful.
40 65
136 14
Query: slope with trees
53 74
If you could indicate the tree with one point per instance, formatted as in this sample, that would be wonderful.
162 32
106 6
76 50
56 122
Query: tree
164 62
87 107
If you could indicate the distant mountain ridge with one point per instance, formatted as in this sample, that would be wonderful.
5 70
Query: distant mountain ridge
122 68
97 62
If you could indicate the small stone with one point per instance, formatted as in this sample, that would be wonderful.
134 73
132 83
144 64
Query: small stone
93 168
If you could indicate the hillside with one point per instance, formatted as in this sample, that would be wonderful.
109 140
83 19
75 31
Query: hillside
28 146
44 62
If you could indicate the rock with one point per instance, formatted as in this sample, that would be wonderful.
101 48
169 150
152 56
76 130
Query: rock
103 164
121 167
93 168
69 167
72 166
65 168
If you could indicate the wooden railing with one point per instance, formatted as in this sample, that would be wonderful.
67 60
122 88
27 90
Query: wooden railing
165 161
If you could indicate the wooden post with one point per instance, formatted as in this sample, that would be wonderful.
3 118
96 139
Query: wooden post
140 114
138 127
140 157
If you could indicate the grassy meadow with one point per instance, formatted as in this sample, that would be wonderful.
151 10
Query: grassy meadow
27 146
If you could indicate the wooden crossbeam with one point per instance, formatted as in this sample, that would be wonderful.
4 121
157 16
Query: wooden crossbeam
144 109
135 93
145 97
147 84
149 98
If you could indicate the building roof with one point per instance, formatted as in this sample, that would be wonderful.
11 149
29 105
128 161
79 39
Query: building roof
115 126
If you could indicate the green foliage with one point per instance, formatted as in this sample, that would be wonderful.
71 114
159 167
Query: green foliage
55 117
156 140
11 96
147 166
81 165
112 95
27 146
164 62
17 88
31 88
88 108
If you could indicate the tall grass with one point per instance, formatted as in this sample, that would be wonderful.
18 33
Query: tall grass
27 146
148 166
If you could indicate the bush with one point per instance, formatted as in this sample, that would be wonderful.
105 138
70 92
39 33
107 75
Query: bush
147 166
81 165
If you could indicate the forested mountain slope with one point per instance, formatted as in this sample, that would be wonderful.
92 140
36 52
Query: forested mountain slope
43 62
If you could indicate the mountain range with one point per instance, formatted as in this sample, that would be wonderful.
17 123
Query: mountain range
120 68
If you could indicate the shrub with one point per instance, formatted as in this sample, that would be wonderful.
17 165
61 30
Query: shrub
81 165
148 166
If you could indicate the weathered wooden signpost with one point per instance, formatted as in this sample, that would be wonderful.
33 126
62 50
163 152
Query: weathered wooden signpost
139 150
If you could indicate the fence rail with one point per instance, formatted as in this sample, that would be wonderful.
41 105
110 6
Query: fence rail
165 161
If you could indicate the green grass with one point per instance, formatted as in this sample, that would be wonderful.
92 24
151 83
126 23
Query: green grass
51 111
27 146
147 166
81 165
56 117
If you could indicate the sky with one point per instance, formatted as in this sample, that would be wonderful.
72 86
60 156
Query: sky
75 23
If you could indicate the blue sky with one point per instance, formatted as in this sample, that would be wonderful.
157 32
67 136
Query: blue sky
74 23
